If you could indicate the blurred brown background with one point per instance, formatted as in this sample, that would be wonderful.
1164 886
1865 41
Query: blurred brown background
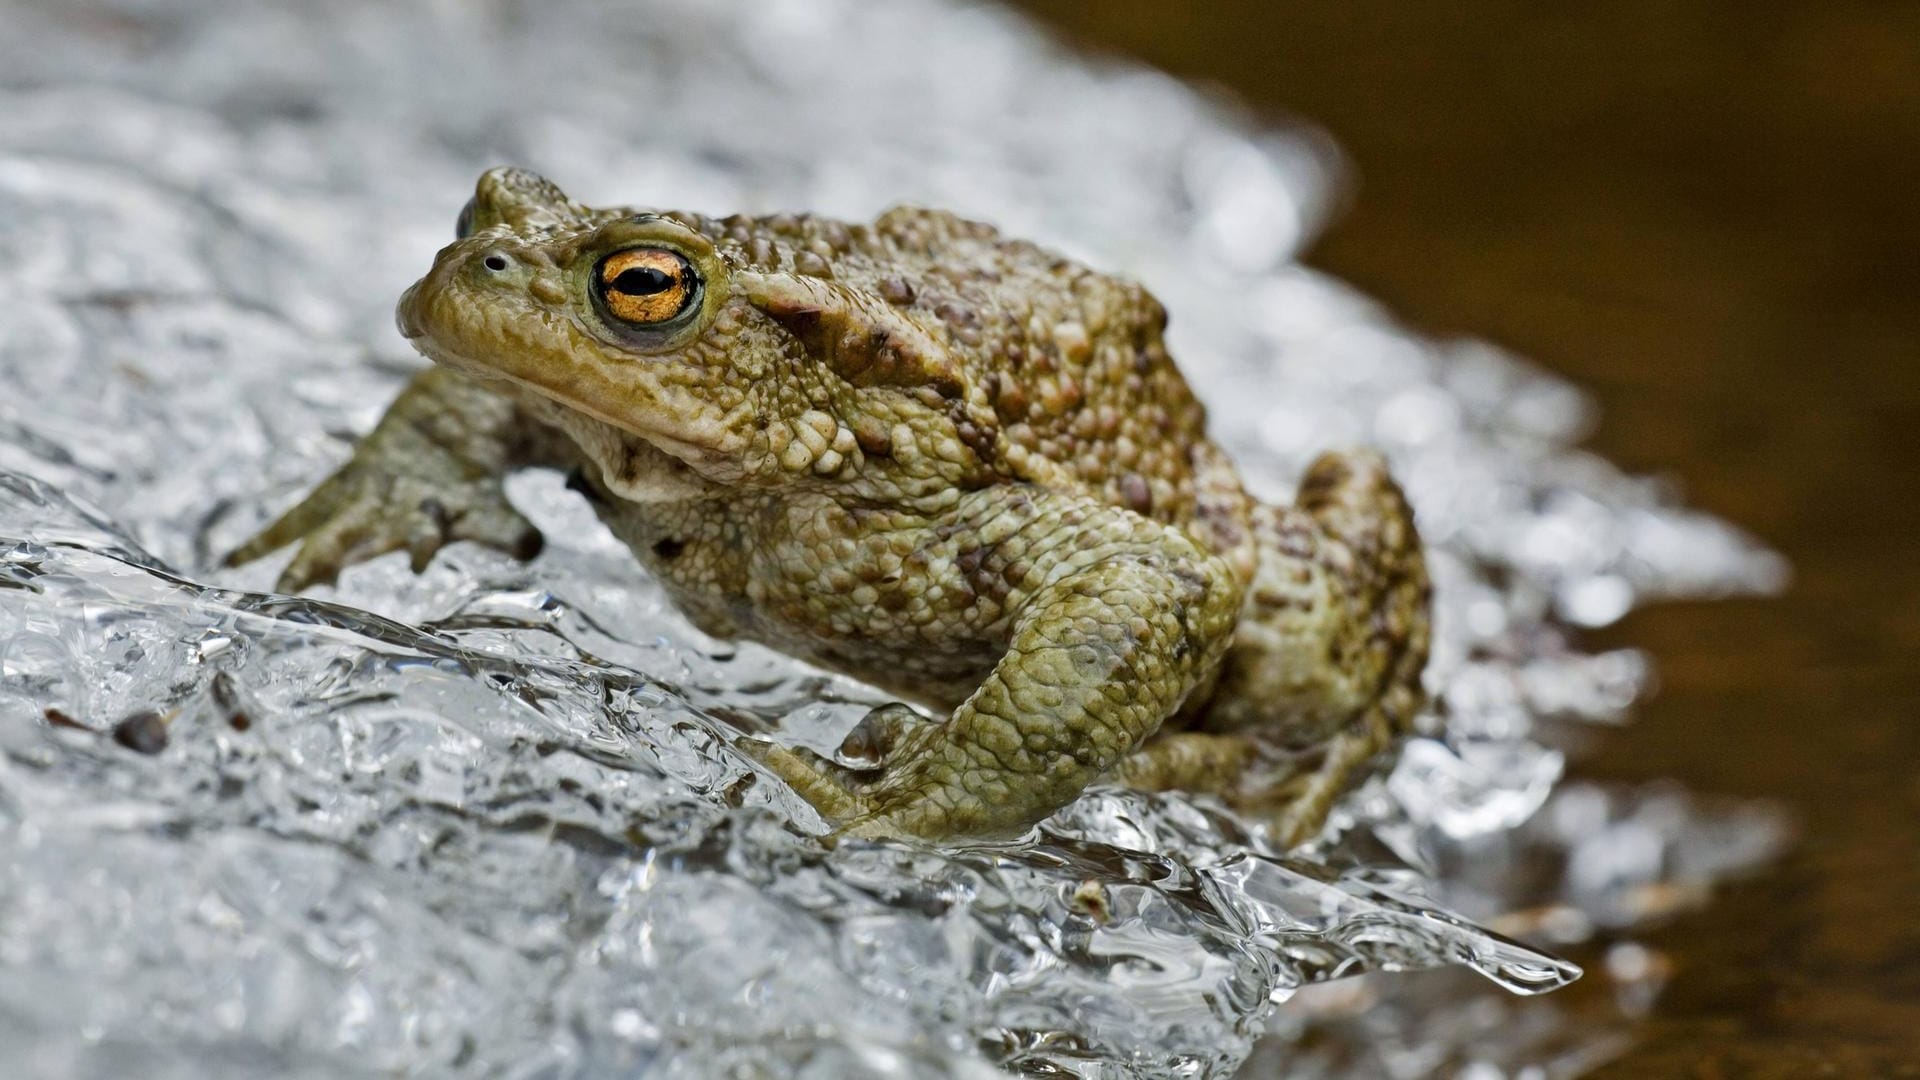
1709 214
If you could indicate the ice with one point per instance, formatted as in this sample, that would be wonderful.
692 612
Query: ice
489 820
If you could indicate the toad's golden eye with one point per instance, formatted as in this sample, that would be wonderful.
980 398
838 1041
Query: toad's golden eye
646 286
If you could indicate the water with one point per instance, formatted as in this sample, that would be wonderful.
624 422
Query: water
489 821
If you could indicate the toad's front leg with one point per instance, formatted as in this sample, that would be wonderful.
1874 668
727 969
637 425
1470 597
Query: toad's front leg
430 473
1125 619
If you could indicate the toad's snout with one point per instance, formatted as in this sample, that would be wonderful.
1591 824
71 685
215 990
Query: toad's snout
406 315
414 314
423 310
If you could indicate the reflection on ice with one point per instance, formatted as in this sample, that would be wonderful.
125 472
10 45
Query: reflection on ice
488 820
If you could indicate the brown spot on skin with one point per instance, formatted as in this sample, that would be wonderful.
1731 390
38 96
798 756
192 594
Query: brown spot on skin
1011 400
60 719
873 437
802 322
897 290
976 438
968 563
1137 493
956 315
812 265
868 345
970 560
982 577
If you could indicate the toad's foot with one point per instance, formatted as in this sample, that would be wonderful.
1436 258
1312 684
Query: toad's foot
841 791
873 740
1332 641
430 473
1290 795
838 792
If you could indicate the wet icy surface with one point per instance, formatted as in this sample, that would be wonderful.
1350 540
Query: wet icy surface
488 821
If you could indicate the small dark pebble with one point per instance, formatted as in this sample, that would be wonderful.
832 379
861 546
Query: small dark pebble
735 794
226 695
144 731
1089 898
528 544
60 719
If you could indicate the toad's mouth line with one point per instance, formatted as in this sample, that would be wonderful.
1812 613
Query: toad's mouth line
694 454
708 457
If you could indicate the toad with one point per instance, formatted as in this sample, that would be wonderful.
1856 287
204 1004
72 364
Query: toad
950 463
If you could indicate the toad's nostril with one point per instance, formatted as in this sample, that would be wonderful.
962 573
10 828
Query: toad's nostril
495 262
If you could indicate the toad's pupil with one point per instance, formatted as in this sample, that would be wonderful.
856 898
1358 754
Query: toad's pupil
643 281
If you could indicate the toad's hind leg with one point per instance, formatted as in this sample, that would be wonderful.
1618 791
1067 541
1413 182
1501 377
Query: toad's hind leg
1113 621
1332 637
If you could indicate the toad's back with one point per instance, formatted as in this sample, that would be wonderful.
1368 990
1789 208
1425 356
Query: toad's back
1064 372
